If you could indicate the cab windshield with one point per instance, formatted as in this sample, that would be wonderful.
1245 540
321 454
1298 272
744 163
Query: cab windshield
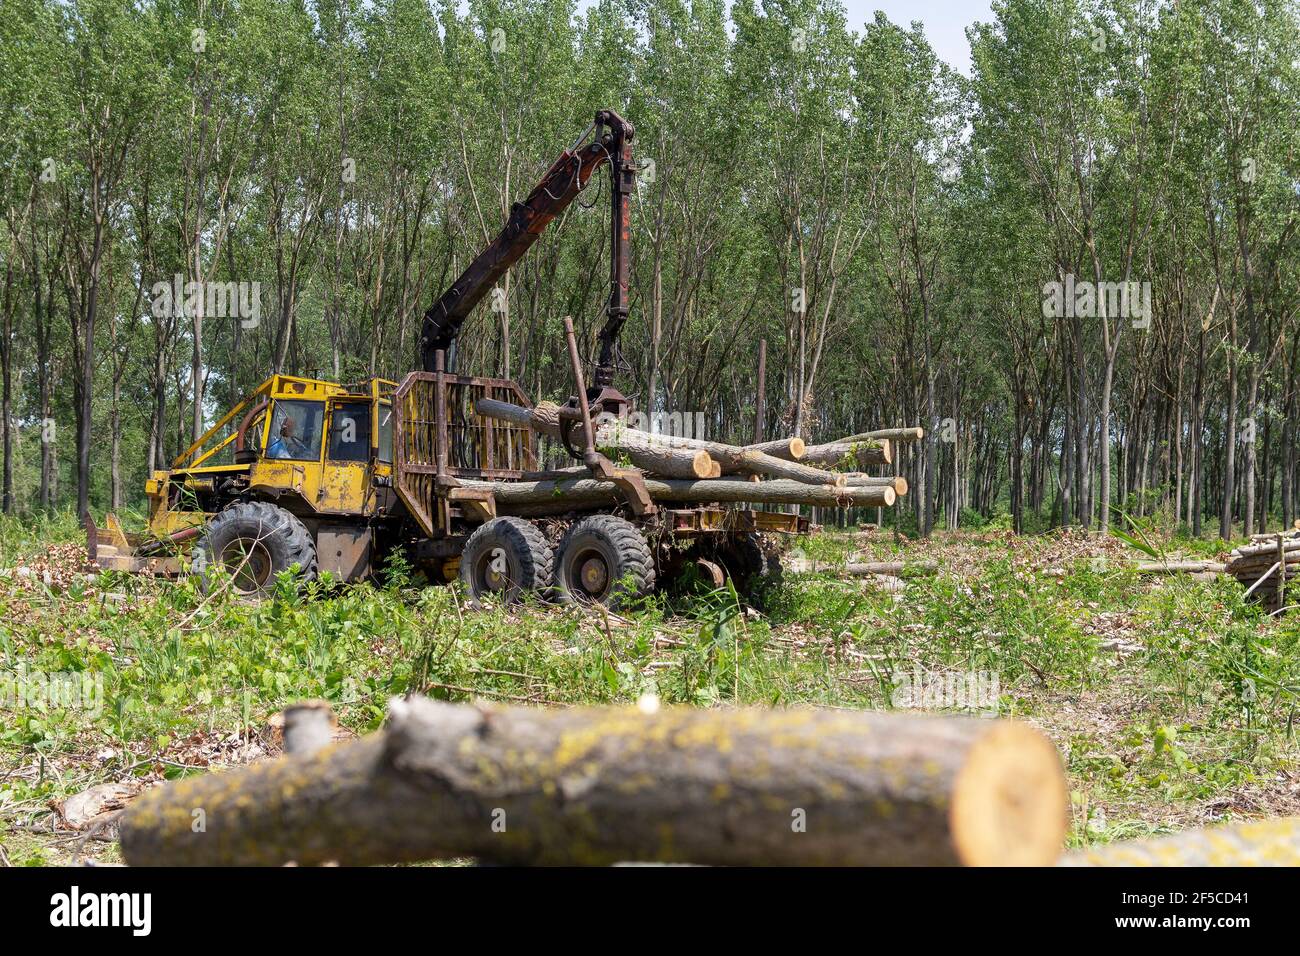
296 428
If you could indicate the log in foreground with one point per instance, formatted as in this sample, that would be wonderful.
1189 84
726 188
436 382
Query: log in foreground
579 786
535 498
1261 843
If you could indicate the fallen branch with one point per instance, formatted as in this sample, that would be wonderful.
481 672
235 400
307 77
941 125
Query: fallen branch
896 569
1179 567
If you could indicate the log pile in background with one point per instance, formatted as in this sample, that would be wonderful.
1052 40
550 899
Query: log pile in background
1267 567
783 471
599 786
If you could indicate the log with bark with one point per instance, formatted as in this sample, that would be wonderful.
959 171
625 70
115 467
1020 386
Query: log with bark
668 455
850 455
791 449
896 569
893 434
614 436
1273 842
1266 549
537 498
1268 553
581 786
856 479
648 453
544 417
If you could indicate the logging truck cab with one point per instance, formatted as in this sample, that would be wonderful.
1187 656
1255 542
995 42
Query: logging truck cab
320 452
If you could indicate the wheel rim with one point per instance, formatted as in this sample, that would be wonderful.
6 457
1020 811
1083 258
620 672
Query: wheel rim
492 573
591 576
249 564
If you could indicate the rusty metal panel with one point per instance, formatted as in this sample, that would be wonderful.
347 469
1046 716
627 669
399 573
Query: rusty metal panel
481 447
344 488
470 445
344 550
779 522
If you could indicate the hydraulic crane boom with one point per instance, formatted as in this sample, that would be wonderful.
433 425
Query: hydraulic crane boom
568 176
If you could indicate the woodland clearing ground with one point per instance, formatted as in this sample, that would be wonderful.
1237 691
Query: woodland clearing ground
1170 700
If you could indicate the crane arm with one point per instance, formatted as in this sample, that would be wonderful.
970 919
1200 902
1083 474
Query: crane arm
567 177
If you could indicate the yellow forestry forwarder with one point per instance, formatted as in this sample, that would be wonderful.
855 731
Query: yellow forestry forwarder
312 476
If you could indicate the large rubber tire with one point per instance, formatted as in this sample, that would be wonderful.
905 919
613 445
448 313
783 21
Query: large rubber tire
506 557
604 559
254 542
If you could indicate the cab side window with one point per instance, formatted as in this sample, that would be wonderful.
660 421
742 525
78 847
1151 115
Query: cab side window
350 432
386 433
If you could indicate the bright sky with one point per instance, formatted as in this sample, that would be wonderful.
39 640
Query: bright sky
945 22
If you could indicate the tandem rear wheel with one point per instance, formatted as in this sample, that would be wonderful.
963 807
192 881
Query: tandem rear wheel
506 558
604 559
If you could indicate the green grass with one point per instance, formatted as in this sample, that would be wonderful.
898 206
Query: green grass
1192 720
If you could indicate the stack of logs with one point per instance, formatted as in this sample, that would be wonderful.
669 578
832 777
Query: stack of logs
784 471
1267 566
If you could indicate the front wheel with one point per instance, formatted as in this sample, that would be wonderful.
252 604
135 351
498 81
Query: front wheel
604 559
253 542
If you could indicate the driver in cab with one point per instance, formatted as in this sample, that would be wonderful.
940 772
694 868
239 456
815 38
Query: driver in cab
288 444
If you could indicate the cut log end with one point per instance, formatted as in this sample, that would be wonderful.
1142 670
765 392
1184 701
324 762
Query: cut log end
1009 800
703 465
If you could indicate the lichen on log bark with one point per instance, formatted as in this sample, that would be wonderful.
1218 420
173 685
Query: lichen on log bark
1273 842
576 786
